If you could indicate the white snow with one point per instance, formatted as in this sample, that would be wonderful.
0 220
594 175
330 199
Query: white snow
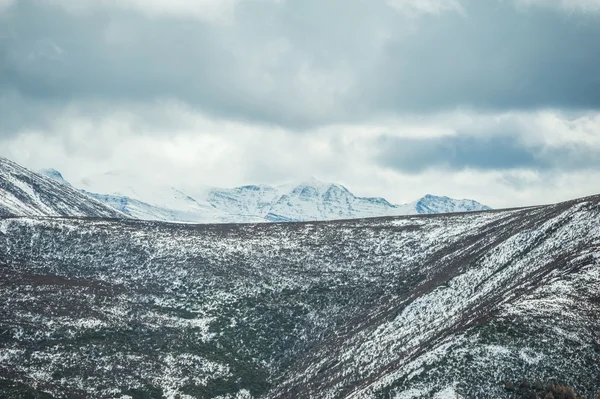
411 393
447 393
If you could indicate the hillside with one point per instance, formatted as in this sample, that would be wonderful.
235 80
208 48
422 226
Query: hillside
399 307
25 193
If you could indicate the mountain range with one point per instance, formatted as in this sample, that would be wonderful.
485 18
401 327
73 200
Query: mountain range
497 304
97 304
307 201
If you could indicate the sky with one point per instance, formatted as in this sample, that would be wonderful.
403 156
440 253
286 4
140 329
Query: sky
493 100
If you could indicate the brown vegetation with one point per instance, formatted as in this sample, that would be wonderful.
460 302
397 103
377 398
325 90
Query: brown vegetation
537 390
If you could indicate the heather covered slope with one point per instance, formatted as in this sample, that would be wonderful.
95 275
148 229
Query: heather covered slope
408 307
25 193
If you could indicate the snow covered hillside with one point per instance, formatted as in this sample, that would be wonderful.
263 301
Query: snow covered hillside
25 193
310 200
458 305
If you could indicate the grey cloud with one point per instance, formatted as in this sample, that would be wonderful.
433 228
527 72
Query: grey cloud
455 152
482 152
117 55
303 63
498 57
49 115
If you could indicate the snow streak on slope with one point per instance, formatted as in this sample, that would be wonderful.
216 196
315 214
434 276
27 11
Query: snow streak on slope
419 306
24 193
311 200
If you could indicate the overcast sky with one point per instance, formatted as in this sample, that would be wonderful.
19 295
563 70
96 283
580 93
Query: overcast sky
495 100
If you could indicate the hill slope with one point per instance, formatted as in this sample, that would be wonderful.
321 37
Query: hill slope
408 307
25 193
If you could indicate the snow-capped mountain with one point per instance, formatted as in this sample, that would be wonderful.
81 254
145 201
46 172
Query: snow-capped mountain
244 202
310 200
25 193
315 200
433 204
501 304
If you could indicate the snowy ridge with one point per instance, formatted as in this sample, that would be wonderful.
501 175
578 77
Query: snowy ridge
25 193
308 201
315 200
461 304
430 204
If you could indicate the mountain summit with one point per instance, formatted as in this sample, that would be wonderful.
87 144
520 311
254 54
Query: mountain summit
25 193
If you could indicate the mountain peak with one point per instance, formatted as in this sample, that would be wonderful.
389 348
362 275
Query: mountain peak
430 203
54 174
26 193
432 196
313 182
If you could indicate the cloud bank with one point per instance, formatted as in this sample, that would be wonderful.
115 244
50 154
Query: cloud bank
391 97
